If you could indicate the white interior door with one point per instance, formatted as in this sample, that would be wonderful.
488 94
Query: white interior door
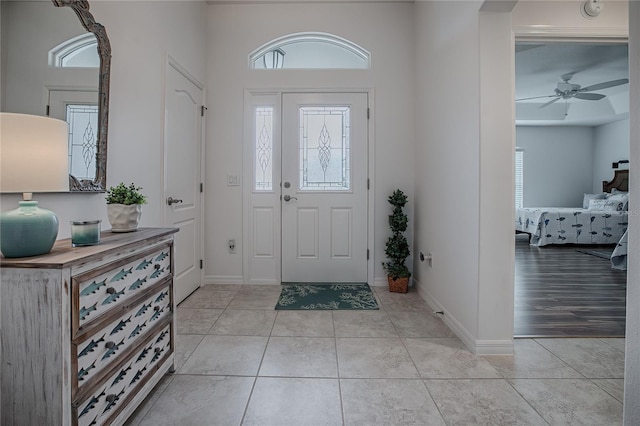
183 145
324 187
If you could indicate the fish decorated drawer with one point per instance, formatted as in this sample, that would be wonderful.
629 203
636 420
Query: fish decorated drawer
110 287
97 351
104 402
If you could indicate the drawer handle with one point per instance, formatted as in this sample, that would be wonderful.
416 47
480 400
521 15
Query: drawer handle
157 350
156 308
111 290
109 345
156 266
111 398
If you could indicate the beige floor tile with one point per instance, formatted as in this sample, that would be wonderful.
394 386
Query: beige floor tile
576 402
531 360
410 301
196 321
388 402
303 324
487 402
208 299
244 322
617 343
614 387
374 358
419 324
300 357
593 358
294 401
185 345
363 324
201 400
226 355
447 358
142 410
264 300
262 287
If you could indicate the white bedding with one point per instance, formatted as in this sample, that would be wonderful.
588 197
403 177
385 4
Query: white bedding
548 225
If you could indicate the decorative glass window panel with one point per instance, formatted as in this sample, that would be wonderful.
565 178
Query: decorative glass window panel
264 149
310 51
325 154
83 124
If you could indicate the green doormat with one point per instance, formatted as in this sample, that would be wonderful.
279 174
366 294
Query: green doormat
308 296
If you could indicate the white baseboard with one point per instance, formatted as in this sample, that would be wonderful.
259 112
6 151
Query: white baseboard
223 279
478 347
380 282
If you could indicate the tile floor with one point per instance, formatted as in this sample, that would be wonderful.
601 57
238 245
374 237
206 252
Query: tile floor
241 362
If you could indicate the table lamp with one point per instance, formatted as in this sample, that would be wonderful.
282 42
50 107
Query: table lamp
33 158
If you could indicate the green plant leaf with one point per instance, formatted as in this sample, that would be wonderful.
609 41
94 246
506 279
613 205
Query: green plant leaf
122 194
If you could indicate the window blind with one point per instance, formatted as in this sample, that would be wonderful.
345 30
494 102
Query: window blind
519 177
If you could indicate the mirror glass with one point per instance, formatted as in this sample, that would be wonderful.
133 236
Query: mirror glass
55 61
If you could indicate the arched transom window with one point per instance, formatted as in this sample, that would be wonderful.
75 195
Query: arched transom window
310 51
77 52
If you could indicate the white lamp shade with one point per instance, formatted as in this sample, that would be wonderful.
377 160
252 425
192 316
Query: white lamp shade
33 154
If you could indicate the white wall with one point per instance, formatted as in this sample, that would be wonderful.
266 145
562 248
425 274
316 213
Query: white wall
611 144
141 34
557 164
632 353
446 158
235 31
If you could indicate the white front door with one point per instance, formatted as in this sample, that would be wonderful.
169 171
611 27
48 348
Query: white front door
324 187
183 145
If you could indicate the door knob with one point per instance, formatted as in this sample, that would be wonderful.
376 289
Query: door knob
289 198
172 200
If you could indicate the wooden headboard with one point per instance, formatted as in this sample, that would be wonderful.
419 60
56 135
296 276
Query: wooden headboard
620 182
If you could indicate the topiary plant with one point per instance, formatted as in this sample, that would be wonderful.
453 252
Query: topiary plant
127 195
397 248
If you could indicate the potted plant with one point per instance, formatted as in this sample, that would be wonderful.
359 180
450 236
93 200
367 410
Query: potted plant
124 207
397 248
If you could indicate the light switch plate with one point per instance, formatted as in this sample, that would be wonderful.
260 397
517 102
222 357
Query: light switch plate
233 180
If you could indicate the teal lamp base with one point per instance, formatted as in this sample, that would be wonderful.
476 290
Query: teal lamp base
27 230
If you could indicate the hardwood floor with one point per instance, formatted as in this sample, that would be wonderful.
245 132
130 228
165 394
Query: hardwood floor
560 292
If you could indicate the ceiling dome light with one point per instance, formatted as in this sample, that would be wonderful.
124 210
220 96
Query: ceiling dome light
591 8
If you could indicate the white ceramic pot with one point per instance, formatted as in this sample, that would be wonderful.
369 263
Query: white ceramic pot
124 218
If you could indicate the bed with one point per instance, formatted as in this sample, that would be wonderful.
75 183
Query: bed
602 220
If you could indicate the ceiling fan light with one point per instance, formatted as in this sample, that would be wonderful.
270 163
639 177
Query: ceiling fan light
591 8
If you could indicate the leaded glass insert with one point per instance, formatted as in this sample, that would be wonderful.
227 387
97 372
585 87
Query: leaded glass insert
264 149
325 154
83 122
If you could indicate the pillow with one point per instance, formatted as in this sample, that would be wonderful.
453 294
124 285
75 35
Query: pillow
606 205
622 197
589 197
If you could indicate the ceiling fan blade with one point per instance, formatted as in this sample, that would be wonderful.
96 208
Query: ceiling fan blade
605 85
535 97
550 102
589 96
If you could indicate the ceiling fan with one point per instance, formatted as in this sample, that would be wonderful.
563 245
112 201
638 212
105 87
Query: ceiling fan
566 90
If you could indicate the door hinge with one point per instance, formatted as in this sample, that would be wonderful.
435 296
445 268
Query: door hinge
201 187
48 110
201 263
367 254
202 110
368 183
368 113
